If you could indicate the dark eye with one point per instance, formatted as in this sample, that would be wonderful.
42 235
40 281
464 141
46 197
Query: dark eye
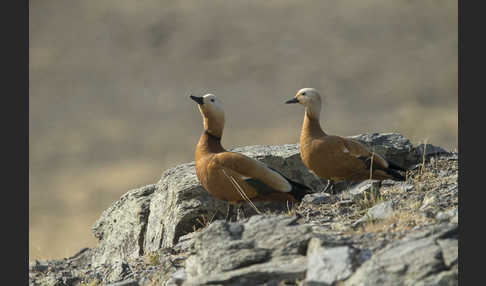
303 93
212 99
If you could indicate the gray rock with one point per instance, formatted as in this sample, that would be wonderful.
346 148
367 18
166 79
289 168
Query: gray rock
247 253
448 215
118 271
442 216
121 228
274 283
185 241
429 200
327 266
403 186
314 245
178 277
155 216
36 265
449 249
453 156
429 149
444 278
130 282
455 218
157 274
50 281
176 220
317 198
82 257
393 146
388 183
285 158
289 267
345 203
398 149
382 210
407 187
364 255
408 261
180 199
365 188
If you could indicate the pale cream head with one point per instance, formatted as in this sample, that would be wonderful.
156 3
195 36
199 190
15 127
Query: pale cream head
212 111
310 98
211 107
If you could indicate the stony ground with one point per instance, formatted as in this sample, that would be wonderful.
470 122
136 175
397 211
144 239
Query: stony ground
345 236
429 196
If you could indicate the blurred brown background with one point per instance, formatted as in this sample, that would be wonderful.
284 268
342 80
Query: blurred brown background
109 85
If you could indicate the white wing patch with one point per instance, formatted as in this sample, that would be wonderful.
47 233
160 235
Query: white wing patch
345 150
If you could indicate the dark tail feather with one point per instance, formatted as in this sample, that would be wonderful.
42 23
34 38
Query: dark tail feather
391 170
298 190
394 166
396 175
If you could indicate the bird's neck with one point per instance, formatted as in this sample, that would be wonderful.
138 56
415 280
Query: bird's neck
311 128
214 125
209 143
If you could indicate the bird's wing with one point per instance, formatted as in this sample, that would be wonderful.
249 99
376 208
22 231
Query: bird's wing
358 150
250 168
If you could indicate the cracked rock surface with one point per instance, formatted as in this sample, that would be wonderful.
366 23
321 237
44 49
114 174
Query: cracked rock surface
369 233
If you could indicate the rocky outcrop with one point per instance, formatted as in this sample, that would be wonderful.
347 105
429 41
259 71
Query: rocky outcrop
177 204
172 207
121 228
418 259
398 149
372 233
251 252
328 265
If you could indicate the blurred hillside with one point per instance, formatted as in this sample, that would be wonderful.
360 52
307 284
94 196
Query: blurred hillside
109 84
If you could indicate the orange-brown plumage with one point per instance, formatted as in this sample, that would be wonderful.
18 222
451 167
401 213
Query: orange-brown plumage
334 157
223 173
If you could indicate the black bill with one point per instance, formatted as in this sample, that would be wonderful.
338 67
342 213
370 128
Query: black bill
197 99
293 100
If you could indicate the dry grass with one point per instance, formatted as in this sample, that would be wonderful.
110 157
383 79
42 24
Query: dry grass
424 179
292 208
93 282
270 212
369 199
422 168
152 258
203 222
371 165
155 282
398 221
240 190
415 205
407 214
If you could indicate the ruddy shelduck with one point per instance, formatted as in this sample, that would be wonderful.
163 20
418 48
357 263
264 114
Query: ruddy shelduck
231 176
333 157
